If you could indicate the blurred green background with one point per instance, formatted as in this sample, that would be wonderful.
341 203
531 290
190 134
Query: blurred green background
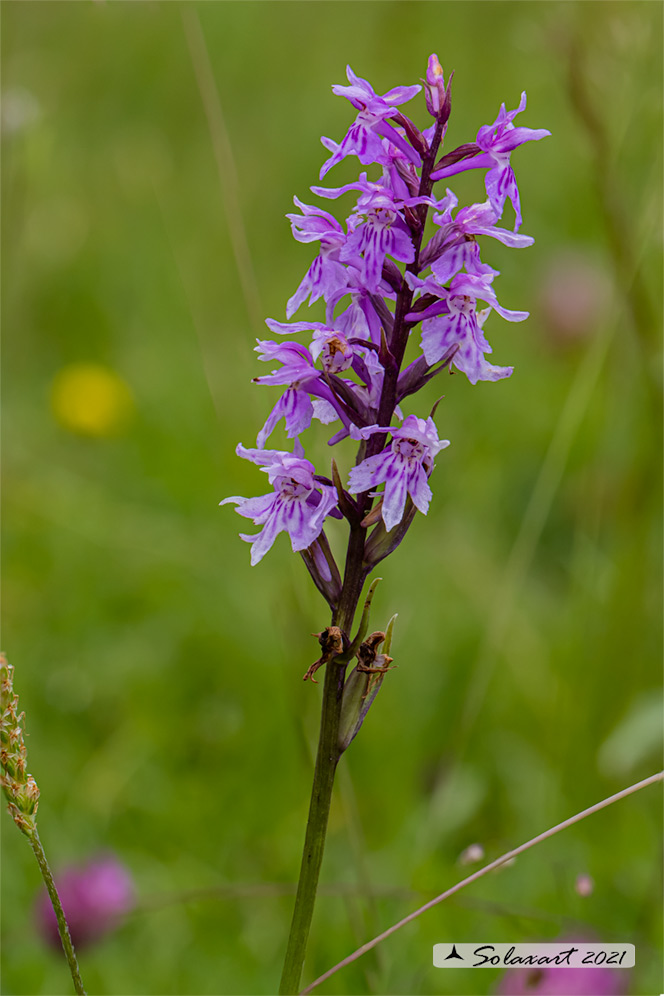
162 675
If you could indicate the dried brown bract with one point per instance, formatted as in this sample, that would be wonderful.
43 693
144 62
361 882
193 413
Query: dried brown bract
369 659
332 643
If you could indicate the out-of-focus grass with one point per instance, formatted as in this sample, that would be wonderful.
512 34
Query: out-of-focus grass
161 675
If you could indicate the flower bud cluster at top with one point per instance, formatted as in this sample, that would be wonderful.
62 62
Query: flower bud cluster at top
350 376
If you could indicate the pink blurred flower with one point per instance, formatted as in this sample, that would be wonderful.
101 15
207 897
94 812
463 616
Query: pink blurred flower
574 298
557 980
95 897
584 885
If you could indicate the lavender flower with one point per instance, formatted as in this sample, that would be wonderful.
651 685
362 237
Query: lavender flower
494 145
455 246
363 139
297 372
326 273
297 505
460 325
404 467
96 896
498 141
377 230
380 281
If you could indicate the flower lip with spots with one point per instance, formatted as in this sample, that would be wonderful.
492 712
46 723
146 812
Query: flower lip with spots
298 505
403 466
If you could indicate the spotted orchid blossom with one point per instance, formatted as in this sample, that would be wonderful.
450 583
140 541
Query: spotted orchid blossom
298 504
326 274
327 340
359 319
334 349
498 141
387 289
298 373
378 230
328 344
404 467
454 247
494 145
304 386
454 322
363 138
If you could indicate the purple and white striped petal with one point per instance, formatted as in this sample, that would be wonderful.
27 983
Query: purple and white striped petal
296 408
324 278
298 504
403 466
396 490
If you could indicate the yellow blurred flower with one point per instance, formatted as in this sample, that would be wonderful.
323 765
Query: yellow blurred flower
91 399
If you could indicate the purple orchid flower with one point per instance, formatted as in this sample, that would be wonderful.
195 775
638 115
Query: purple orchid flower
307 395
454 321
363 138
334 349
403 466
327 340
298 505
326 274
495 143
359 319
454 246
378 230
299 374
498 141
351 372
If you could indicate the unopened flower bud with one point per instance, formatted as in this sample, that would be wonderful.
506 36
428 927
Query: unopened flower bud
434 89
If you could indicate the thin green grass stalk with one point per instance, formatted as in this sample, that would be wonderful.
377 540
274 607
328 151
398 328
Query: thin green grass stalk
223 153
63 927
630 790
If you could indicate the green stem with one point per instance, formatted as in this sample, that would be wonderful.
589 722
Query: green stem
314 841
326 765
63 929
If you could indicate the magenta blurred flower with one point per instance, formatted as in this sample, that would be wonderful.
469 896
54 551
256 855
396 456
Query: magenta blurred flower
557 980
95 896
